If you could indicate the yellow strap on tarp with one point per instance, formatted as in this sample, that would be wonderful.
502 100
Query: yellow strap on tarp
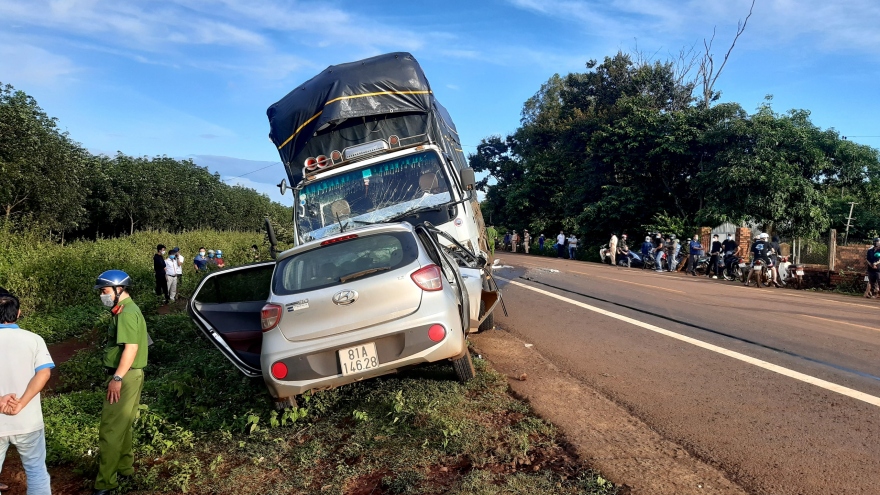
380 93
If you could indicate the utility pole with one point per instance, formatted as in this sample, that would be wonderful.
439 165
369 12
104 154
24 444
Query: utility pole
848 222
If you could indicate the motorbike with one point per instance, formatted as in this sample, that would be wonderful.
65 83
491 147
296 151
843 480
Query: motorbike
605 255
630 259
762 274
733 267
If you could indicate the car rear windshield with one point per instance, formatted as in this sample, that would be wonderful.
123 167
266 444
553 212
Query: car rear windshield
366 256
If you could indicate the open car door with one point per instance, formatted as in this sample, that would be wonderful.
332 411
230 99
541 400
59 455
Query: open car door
226 310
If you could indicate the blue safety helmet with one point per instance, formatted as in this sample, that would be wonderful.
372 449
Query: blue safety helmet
113 278
219 253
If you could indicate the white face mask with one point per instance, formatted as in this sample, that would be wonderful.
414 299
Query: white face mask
107 300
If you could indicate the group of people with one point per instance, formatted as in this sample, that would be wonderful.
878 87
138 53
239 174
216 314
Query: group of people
25 368
565 245
169 270
512 241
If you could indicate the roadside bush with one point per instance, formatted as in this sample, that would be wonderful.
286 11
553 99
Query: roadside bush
50 278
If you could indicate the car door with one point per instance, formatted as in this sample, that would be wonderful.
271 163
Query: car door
226 310
450 271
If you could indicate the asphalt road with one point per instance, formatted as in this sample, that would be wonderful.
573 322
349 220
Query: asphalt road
780 389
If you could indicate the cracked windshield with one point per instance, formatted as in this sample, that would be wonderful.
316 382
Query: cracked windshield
372 194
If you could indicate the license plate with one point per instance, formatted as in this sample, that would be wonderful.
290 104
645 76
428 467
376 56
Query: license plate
866 278
799 272
358 359
757 268
742 265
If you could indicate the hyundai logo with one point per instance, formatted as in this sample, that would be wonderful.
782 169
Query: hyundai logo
345 297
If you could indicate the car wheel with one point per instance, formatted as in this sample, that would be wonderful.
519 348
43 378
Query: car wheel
464 367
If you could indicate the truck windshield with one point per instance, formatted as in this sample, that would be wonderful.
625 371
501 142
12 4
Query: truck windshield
371 194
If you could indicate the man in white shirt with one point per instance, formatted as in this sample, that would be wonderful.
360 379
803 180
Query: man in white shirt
171 267
612 249
560 244
572 246
25 367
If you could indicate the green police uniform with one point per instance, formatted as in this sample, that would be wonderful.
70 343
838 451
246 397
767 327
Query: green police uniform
114 434
491 234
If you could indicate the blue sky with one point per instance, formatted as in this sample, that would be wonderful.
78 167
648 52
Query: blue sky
194 78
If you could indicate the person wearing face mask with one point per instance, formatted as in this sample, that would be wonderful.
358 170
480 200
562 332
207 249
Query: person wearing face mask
220 262
125 357
171 267
200 261
159 269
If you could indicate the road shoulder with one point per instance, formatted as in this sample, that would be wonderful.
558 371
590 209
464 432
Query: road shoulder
603 433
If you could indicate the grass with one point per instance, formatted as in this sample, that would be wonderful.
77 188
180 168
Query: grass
205 428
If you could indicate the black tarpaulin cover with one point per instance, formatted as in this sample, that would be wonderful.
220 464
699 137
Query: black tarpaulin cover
387 84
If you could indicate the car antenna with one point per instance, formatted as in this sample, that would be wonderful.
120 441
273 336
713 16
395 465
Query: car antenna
341 227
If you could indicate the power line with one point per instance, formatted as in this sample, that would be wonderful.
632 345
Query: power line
251 172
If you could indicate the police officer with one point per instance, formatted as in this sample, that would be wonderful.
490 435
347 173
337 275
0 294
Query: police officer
125 357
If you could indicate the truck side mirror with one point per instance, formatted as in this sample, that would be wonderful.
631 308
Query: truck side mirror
468 179
283 186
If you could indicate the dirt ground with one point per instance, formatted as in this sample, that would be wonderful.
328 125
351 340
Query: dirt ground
603 434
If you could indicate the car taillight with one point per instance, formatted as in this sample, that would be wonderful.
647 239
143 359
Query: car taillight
339 239
428 278
279 370
270 316
436 333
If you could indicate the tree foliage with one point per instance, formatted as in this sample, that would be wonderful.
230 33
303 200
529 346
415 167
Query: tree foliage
626 147
54 184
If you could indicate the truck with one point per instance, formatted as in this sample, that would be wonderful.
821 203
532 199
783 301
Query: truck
362 143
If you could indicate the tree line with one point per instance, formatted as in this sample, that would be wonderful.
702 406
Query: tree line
627 146
53 184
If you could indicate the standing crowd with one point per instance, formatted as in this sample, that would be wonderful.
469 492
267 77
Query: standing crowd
513 242
169 270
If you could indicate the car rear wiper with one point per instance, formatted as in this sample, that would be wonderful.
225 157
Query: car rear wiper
360 274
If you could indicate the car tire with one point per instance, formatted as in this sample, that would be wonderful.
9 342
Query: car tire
464 367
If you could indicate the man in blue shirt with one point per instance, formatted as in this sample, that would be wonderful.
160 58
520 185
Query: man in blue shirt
200 261
872 259
695 249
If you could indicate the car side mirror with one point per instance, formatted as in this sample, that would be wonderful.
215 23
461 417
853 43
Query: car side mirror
468 179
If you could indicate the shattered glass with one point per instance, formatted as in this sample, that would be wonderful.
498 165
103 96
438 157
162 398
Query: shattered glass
373 194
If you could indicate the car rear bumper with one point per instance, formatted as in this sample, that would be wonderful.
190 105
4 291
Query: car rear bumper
314 364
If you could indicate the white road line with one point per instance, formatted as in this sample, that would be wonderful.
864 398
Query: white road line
833 387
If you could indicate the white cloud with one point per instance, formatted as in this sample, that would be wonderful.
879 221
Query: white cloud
841 25
24 65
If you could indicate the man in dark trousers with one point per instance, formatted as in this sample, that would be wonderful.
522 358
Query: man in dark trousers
125 357
695 250
159 269
715 252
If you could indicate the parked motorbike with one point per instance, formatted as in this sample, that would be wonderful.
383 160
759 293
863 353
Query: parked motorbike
733 267
630 259
605 254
